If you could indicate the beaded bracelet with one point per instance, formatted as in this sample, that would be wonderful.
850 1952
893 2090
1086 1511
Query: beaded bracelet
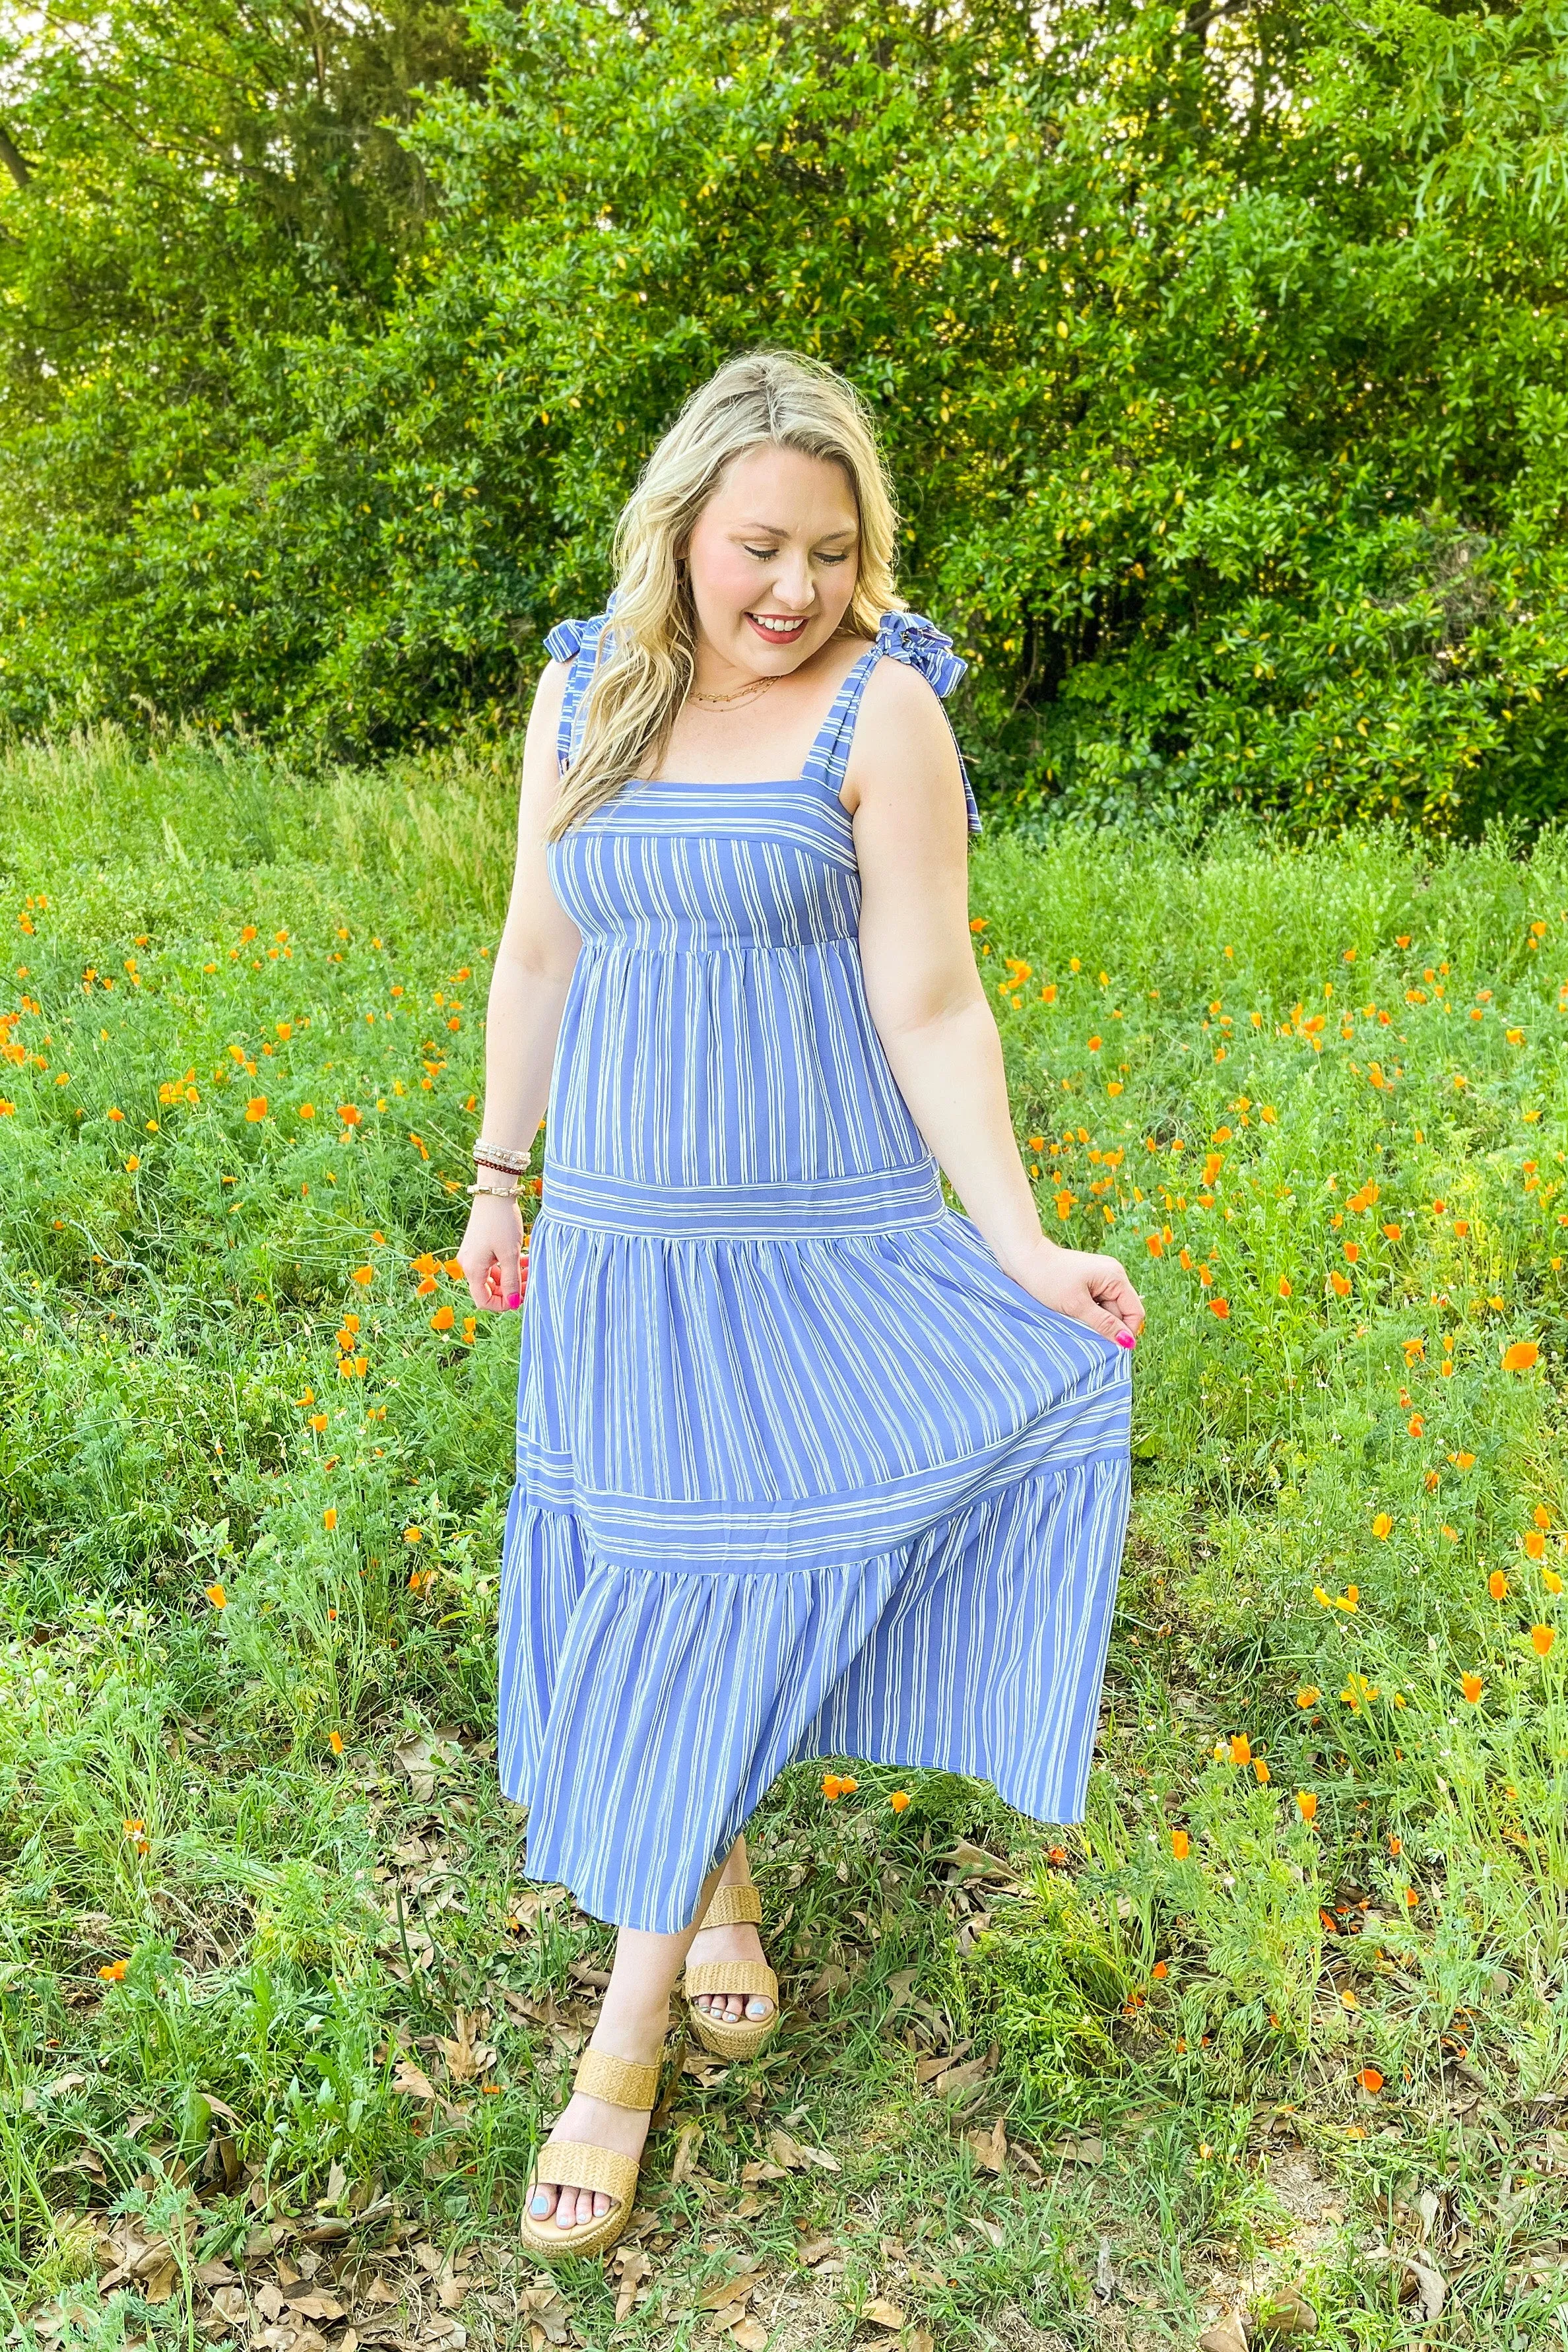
494 1155
493 1191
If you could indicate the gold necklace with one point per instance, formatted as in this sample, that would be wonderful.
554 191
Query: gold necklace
752 687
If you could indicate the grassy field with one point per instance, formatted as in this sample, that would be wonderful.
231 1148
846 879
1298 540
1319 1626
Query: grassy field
280 2017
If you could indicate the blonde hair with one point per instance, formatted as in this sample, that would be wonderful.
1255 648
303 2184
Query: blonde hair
762 398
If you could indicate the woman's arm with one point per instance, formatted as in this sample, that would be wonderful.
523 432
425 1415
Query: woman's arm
534 964
926 1000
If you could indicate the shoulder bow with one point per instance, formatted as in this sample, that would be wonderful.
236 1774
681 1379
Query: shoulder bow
909 638
563 643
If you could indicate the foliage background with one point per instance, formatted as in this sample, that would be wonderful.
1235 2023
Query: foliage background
1219 349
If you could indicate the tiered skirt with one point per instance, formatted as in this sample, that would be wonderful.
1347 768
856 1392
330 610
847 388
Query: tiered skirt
800 1473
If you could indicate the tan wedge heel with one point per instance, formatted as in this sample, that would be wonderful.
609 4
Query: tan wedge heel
577 2164
733 2037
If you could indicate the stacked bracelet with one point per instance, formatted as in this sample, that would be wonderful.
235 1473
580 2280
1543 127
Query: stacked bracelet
494 1192
498 1161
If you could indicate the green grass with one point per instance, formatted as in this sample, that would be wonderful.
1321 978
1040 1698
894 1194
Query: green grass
202 2018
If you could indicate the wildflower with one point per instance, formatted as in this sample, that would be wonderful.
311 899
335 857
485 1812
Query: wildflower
1307 1804
1371 2081
848 1786
132 1165
1260 1767
1220 1306
900 1801
114 1973
1161 1969
1451 1533
1269 1115
1411 1898
318 1422
1353 1251
1472 1686
1383 1526
1240 1748
116 1114
1339 1284
1551 1580
350 1113
1395 1845
1057 1855
216 1595
1180 1845
329 1516
1348 1999
470 1325
1521 1355
1415 1426
443 1319
1497 1585
1348 1599
1542 1638
363 1274
335 1742
255 1110
1307 1695
1284 1287
1542 1516
1463 1461
307 1110
1156 1244
412 1535
832 1786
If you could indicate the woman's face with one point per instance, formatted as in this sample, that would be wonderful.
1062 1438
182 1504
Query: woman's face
773 558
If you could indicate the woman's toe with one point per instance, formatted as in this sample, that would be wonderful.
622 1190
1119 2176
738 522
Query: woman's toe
758 2005
544 2200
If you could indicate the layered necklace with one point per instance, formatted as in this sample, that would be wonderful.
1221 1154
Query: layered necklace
740 697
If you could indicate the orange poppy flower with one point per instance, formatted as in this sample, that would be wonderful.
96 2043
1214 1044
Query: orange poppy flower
1180 1845
216 1595
1521 1355
1383 1526
335 1742
1472 1686
256 1109
443 1319
900 1801
1307 1804
1284 1287
1371 2081
1542 1638
1497 1585
1240 1748
1308 1696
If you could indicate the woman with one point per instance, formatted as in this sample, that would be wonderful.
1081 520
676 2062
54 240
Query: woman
808 1464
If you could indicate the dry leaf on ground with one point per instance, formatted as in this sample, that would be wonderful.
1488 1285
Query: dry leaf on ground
407 2078
990 2148
684 2163
1286 2312
1226 2335
882 2314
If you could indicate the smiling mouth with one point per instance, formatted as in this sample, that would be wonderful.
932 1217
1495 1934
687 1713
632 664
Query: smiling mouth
778 627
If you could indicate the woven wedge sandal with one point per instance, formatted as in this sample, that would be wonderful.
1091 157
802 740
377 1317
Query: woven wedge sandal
740 2037
577 2164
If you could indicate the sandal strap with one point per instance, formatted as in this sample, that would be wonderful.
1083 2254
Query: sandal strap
621 2082
734 1906
733 1976
574 2164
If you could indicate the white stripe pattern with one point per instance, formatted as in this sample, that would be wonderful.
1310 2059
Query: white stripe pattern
800 1471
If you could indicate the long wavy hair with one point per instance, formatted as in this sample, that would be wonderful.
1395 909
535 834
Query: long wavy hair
647 655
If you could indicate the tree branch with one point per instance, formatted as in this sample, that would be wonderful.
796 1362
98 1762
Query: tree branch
12 157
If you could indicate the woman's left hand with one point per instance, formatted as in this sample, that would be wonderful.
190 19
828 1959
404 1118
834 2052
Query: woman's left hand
1090 1288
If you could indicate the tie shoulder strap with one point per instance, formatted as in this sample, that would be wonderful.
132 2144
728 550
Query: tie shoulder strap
919 644
578 643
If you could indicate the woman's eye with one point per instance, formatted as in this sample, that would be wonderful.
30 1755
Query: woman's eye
764 553
833 558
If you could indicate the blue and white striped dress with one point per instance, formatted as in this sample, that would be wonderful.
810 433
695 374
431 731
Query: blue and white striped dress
801 1471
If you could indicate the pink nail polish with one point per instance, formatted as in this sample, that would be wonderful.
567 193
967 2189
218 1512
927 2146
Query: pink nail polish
516 1298
1125 1340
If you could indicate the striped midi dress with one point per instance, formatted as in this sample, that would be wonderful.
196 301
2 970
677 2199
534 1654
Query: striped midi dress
801 1472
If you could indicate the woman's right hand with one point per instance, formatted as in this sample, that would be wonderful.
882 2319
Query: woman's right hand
492 1253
